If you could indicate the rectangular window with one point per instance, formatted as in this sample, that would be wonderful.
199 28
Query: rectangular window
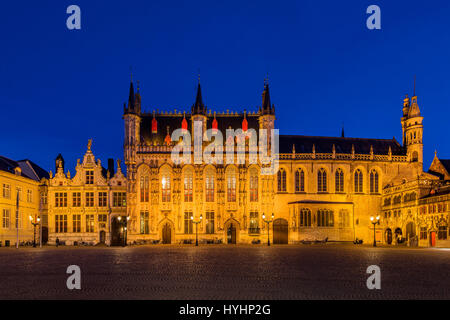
188 224
102 220
119 199
325 218
210 222
89 199
102 199
423 233
43 198
76 223
61 223
6 191
60 199
29 196
76 199
90 223
144 222
6 219
442 233
344 221
89 176
254 222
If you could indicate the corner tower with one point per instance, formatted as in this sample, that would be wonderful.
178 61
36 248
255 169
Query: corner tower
267 112
412 127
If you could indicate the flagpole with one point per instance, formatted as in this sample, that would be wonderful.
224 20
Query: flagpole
17 220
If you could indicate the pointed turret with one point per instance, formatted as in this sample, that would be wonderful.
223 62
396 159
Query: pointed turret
131 98
267 108
199 107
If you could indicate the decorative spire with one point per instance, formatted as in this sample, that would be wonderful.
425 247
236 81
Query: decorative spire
131 97
154 124
245 122
214 123
342 132
168 140
199 106
184 124
267 108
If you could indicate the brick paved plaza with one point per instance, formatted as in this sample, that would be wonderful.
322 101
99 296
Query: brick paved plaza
224 272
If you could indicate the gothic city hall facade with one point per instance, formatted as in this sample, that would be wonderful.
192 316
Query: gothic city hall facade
323 189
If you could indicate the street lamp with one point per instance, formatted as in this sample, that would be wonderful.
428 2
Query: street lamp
124 224
375 221
196 228
268 221
36 223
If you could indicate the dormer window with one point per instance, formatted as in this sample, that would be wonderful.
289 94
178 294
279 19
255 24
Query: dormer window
89 176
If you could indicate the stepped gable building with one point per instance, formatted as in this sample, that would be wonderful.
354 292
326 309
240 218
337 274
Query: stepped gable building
23 192
325 188
84 208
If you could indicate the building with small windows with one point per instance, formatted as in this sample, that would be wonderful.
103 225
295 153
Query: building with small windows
326 188
89 207
22 196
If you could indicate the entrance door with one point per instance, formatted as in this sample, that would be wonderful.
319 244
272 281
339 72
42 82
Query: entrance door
410 230
44 235
166 234
231 234
102 237
388 236
116 236
432 239
280 231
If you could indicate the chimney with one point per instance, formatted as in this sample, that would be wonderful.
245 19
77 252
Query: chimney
111 167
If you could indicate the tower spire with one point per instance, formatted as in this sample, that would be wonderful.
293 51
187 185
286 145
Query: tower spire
199 106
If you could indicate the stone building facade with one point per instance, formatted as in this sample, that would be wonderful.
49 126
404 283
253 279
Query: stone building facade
86 208
326 187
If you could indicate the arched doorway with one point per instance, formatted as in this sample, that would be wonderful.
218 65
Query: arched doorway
166 233
388 236
231 234
280 231
102 237
410 230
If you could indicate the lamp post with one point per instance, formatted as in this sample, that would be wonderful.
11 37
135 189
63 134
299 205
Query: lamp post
196 228
375 221
34 222
268 221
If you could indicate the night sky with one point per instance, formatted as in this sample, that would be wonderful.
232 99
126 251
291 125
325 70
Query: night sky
60 87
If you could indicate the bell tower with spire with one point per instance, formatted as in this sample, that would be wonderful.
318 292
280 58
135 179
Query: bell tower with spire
198 109
267 112
412 127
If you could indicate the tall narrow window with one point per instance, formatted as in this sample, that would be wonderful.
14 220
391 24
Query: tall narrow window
339 180
358 181
281 180
374 181
300 181
61 223
165 184
144 186
144 222
76 220
210 222
89 176
6 191
305 218
322 180
188 186
209 186
90 223
76 199
253 185
89 199
6 221
231 186
188 224
102 199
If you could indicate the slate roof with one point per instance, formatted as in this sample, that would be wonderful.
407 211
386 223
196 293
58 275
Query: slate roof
29 169
173 121
304 144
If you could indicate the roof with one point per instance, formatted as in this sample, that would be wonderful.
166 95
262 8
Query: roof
304 144
29 169
173 121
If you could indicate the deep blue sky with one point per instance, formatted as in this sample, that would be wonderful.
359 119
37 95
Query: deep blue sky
58 87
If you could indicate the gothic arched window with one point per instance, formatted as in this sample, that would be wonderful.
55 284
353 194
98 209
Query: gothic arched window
188 186
144 187
358 181
165 187
231 185
305 218
282 180
300 180
374 182
209 185
321 180
339 180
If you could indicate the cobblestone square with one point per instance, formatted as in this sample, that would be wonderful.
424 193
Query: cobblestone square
224 272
